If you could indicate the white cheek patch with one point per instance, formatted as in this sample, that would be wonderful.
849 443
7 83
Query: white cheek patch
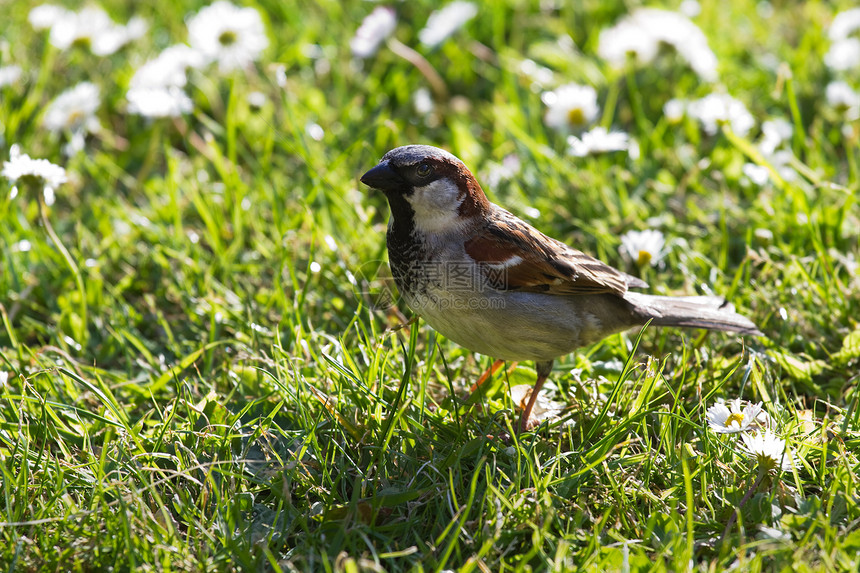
436 206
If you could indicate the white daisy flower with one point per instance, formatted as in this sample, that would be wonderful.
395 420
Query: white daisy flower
843 55
539 75
155 89
21 168
843 99
9 75
757 174
598 140
679 32
256 100
643 247
158 102
844 24
627 41
775 132
74 110
504 171
674 110
781 162
115 36
731 419
765 236
768 450
638 36
374 29
443 23
232 36
168 69
544 409
91 27
763 419
314 131
46 15
76 143
572 106
717 109
690 8
423 101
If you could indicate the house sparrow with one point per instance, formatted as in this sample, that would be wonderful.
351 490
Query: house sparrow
496 285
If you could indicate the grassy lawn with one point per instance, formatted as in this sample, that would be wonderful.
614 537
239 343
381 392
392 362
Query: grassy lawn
203 366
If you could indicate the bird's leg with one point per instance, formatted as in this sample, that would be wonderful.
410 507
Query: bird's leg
543 370
487 373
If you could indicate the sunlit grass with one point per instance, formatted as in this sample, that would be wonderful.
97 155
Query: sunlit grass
196 372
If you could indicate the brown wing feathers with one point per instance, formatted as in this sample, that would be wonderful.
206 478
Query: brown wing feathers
533 262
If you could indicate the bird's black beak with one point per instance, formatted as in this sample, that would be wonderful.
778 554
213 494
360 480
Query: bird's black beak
382 177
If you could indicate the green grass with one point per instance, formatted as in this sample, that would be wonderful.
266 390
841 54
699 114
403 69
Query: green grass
201 386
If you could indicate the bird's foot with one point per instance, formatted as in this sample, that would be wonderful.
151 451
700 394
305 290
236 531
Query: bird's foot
527 424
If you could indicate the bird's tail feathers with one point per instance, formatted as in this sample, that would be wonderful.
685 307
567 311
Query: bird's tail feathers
708 312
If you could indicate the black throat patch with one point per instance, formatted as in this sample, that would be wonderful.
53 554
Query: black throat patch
404 249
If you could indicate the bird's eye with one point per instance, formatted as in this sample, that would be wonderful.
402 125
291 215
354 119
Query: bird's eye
424 170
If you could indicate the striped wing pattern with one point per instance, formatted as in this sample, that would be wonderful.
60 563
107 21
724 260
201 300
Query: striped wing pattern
516 256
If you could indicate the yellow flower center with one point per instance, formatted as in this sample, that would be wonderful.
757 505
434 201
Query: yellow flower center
735 418
576 116
227 38
765 462
75 118
84 42
644 258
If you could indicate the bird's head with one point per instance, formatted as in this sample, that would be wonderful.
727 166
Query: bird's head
430 186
